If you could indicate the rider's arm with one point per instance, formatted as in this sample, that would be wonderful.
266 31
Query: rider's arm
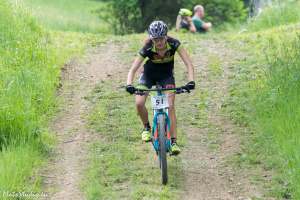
187 61
135 66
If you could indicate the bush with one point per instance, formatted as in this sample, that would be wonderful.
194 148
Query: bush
131 16
127 16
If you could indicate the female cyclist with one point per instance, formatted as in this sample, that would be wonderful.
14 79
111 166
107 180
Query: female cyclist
159 50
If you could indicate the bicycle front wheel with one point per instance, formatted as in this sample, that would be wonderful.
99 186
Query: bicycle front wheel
162 148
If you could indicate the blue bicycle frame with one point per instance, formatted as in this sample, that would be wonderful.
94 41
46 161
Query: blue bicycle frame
155 132
161 136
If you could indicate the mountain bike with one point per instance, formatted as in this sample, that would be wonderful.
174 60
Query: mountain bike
161 137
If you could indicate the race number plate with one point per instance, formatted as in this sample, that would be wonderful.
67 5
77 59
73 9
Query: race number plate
160 102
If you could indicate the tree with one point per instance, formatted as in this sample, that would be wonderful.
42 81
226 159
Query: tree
166 10
136 15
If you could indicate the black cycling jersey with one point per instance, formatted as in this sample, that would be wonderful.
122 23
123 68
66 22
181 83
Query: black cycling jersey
156 67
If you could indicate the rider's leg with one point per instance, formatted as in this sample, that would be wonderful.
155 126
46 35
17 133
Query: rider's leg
141 109
172 114
170 83
143 113
140 100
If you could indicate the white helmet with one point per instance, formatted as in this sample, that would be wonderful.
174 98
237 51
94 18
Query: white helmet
157 29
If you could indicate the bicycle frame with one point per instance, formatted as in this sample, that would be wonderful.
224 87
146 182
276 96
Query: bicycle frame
161 136
155 133
164 112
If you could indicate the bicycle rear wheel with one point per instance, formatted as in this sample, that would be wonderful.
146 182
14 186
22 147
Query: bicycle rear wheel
162 150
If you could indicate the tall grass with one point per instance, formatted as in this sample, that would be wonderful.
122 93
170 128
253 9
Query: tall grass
280 13
28 77
277 109
69 15
266 96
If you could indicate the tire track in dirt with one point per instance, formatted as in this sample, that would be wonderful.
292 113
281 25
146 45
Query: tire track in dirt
63 175
208 176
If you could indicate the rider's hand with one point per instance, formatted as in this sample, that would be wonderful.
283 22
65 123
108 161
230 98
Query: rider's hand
190 85
130 89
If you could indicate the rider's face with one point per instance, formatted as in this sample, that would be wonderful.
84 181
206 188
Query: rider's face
201 13
160 43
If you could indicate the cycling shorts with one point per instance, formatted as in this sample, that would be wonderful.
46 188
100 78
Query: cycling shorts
168 82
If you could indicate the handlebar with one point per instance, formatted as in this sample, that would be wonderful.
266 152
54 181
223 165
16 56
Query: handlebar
177 90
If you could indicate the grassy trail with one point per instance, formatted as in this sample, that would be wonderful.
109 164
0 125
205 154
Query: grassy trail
100 152
208 138
121 166
213 139
69 160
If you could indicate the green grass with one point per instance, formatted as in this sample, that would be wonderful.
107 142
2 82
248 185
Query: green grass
69 15
121 167
30 62
17 164
27 84
214 65
265 97
29 74
278 14
278 108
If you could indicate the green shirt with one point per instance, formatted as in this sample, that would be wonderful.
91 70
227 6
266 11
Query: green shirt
198 24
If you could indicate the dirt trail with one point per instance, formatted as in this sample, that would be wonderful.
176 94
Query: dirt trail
207 175
64 174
